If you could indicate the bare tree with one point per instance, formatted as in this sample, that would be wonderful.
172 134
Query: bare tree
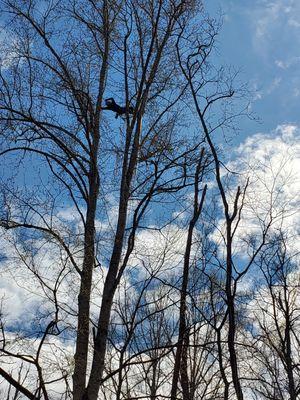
51 107
180 365
81 190
276 308
213 90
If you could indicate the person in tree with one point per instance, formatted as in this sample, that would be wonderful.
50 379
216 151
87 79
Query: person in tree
111 105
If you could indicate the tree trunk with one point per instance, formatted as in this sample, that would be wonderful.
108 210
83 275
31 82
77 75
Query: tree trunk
231 316
82 342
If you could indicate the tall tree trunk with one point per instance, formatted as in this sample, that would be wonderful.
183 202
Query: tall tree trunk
288 346
129 164
180 362
81 352
84 297
221 365
231 316
110 284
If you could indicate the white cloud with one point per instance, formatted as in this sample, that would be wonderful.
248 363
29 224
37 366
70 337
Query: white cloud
271 12
271 162
294 22
274 23
296 92
273 85
268 14
285 64
160 247
9 49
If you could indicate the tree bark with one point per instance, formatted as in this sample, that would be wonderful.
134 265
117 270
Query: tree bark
180 363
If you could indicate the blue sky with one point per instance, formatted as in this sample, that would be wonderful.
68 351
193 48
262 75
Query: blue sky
262 39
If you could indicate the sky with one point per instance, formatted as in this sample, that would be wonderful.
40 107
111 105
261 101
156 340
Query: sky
262 39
